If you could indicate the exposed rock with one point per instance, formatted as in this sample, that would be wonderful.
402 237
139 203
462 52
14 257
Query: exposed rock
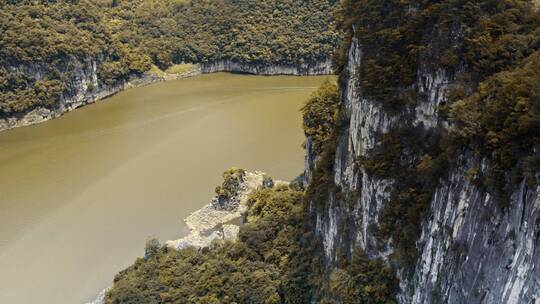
470 250
100 299
212 222
317 68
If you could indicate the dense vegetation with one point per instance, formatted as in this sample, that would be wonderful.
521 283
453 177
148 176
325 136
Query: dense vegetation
471 39
322 119
502 120
320 115
266 265
363 280
489 50
271 31
274 261
44 42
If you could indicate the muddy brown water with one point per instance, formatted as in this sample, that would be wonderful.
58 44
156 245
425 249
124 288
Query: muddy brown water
79 195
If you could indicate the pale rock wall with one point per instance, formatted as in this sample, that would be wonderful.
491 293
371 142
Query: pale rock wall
318 68
470 250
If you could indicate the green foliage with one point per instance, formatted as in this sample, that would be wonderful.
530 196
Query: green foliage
502 120
16 95
41 43
232 179
44 40
322 182
364 280
273 261
472 39
268 264
320 115
388 43
266 32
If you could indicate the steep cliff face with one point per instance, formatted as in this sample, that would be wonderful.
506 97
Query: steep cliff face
469 250
317 68
82 89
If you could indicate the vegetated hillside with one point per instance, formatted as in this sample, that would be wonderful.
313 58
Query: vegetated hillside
437 151
268 263
247 31
422 173
54 50
277 258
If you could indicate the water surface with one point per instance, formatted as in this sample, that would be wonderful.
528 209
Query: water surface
79 195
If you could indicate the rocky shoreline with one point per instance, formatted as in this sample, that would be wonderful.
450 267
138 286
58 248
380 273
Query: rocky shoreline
220 219
87 78
214 220
85 97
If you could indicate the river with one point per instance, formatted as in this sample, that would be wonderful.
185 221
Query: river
79 195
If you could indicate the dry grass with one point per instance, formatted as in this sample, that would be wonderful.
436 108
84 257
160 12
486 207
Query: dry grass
180 68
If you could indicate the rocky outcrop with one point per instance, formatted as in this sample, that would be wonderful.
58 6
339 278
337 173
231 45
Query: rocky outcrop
470 251
220 219
100 299
304 69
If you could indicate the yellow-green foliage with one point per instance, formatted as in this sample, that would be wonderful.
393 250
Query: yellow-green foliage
502 120
503 116
363 281
51 36
231 182
274 31
126 37
268 264
473 39
320 115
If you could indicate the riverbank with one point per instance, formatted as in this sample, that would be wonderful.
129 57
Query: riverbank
85 96
220 219
106 177
88 92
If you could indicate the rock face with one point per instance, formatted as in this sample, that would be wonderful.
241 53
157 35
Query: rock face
317 68
213 221
470 251
100 299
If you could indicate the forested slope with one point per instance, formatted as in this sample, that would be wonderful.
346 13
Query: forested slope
421 179
56 55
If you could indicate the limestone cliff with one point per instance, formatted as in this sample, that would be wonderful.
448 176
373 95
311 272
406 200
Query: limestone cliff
469 251
305 69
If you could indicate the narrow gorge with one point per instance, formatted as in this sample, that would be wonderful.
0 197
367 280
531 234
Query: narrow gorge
421 174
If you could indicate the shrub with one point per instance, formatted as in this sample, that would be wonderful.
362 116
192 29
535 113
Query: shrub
320 114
